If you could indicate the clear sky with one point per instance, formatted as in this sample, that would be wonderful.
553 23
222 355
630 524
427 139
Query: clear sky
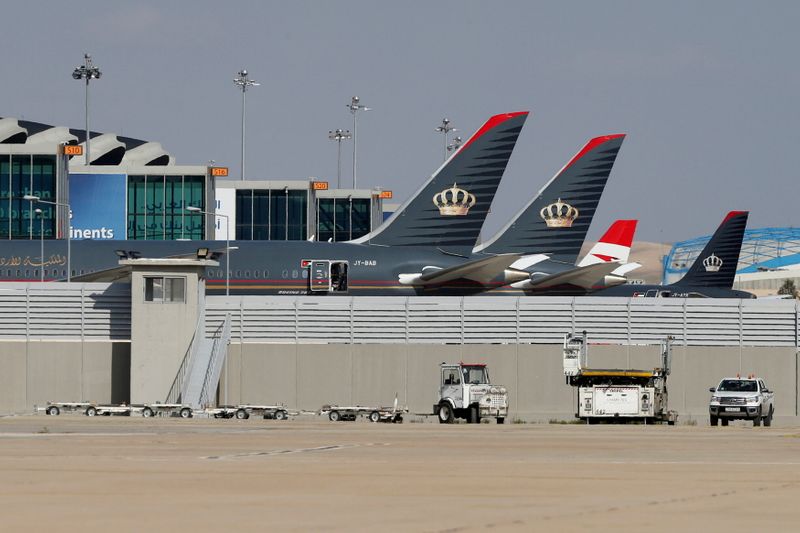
707 91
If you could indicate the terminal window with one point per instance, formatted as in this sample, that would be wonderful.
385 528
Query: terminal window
157 207
343 219
271 214
164 290
22 174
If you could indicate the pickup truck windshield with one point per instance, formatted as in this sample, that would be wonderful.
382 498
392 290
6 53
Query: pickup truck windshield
738 385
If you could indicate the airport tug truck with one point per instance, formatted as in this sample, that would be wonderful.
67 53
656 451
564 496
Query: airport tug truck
617 394
466 392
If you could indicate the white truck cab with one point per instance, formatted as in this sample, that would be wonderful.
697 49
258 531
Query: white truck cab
741 399
466 392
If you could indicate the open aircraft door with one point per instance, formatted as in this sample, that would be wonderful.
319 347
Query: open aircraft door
327 276
320 276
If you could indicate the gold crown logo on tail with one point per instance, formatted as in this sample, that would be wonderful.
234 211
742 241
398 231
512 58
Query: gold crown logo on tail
454 201
559 214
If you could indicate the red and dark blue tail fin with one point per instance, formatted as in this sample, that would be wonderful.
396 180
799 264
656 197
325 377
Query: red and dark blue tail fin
556 220
450 208
716 264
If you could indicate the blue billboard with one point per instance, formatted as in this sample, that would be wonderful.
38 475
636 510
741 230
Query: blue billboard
98 206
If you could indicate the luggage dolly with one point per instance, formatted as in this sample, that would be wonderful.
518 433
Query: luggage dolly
338 413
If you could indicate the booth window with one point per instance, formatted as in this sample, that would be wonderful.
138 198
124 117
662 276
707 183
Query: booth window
164 290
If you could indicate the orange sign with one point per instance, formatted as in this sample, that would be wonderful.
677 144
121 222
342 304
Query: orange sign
319 185
73 149
385 195
219 171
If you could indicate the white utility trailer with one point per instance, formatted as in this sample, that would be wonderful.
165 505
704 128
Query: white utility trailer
617 394
243 412
338 413
95 409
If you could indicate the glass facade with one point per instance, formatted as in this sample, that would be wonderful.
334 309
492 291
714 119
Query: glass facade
157 207
21 175
271 214
343 219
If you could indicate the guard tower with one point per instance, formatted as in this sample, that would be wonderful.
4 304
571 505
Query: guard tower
171 359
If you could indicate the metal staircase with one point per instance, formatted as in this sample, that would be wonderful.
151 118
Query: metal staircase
197 378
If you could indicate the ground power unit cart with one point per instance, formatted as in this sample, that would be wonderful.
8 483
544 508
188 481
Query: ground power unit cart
617 394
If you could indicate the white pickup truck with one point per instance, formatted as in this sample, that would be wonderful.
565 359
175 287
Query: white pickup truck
741 399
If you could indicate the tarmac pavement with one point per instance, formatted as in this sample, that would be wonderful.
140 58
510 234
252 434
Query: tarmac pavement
119 474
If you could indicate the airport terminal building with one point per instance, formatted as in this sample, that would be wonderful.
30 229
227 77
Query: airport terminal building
133 190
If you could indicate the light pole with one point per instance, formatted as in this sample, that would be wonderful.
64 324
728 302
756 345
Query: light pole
445 128
339 135
32 198
227 244
41 243
350 219
87 72
286 213
244 83
355 106
455 145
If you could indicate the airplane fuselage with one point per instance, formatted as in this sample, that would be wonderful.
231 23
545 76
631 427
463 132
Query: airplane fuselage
256 267
671 291
304 268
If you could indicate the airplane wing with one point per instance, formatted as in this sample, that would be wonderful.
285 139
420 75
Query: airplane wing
481 271
584 277
120 272
108 275
626 268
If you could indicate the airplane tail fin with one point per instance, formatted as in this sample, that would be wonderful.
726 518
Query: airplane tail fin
556 220
614 245
450 208
716 264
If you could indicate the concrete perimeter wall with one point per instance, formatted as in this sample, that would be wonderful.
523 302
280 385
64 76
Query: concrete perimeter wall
33 372
306 376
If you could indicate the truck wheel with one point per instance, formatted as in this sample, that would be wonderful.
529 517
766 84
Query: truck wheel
147 412
474 418
53 410
768 418
501 420
445 413
757 421
713 420
186 413
334 416
241 414
374 416
723 421
91 411
280 415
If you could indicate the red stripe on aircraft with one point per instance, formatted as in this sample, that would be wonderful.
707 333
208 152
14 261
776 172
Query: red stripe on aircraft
733 214
591 145
492 123
621 232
